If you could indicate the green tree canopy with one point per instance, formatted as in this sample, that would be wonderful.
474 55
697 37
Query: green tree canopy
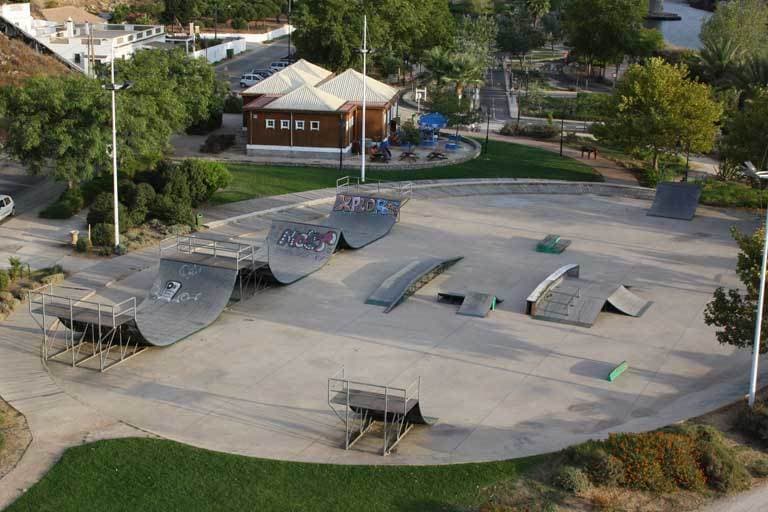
518 33
603 31
655 106
58 126
745 134
742 22
330 32
734 311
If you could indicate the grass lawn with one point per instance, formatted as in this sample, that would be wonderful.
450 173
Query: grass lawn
149 474
504 160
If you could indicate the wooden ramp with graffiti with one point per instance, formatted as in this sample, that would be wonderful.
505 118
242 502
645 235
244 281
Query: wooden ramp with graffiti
363 219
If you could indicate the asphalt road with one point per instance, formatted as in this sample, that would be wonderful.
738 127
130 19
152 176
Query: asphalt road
257 56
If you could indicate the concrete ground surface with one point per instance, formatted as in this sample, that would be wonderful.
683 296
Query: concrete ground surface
506 386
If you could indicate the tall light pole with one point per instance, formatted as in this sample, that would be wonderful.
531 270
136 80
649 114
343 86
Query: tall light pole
750 170
290 27
114 88
364 51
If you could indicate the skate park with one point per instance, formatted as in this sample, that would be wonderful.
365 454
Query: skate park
255 380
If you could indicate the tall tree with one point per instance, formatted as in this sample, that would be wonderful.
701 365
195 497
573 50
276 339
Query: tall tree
181 11
602 31
655 106
65 135
733 311
330 32
745 134
517 33
743 22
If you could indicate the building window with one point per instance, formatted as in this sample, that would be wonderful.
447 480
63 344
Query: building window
285 124
314 126
270 124
299 125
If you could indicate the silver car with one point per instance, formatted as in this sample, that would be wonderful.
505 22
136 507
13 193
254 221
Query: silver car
7 207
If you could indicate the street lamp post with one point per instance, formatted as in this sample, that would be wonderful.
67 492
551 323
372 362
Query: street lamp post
750 170
113 87
290 28
364 51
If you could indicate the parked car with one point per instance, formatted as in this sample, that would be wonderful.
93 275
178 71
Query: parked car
7 207
250 79
263 72
279 65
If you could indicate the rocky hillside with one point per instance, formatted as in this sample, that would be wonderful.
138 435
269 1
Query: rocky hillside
18 62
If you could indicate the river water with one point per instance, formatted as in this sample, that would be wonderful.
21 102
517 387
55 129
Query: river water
683 33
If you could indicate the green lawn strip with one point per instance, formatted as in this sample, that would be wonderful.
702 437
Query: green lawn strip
150 474
503 160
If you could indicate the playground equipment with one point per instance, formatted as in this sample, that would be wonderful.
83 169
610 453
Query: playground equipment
406 281
565 298
676 200
359 404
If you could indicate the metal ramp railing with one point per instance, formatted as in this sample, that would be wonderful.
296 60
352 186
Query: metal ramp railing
84 329
359 404
402 190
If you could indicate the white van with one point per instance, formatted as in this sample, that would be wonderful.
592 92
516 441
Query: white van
7 207
250 79
279 65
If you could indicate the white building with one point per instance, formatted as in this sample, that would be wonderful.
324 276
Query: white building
84 44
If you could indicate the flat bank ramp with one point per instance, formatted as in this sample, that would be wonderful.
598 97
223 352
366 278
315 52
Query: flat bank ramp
574 302
363 219
626 302
406 281
185 298
295 250
676 200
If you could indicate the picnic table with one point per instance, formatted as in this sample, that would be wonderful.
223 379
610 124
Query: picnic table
409 155
437 155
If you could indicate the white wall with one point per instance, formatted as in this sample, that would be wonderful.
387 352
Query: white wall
253 38
219 52
17 14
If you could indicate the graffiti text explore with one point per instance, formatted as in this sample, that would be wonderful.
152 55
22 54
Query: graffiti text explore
311 240
364 204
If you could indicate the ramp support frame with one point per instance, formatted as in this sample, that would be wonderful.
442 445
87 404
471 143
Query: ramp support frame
101 332
358 420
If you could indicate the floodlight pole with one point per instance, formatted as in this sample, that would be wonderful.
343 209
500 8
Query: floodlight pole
114 156
759 319
364 51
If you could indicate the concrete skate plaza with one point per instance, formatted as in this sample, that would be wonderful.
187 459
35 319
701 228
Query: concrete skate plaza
505 386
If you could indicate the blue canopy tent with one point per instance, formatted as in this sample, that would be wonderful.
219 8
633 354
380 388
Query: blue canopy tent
430 125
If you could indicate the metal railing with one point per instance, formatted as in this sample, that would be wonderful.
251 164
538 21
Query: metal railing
403 190
357 423
207 246
80 317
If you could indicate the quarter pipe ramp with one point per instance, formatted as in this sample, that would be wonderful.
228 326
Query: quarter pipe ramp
363 219
295 250
676 200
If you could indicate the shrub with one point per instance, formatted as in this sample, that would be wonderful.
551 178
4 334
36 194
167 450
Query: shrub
732 194
53 278
103 235
754 421
536 131
16 269
207 125
218 142
233 104
657 461
69 203
102 212
239 24
203 178
5 280
723 470
82 245
171 211
571 479
758 468
139 203
91 189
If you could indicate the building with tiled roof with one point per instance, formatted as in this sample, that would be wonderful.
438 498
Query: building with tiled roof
305 108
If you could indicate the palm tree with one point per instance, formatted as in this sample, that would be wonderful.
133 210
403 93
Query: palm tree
465 70
718 61
439 62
